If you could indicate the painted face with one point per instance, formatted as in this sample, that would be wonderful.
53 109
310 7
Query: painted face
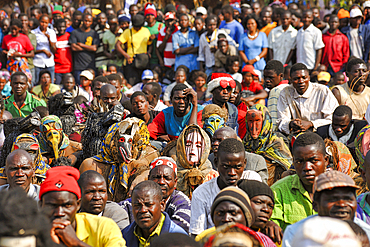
213 123
28 145
125 137
194 145
53 133
254 122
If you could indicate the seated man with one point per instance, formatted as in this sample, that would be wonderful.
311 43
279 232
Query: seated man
335 197
230 162
343 128
94 199
19 170
169 123
146 77
153 92
180 78
140 108
108 94
293 193
21 103
304 105
255 162
60 199
221 88
163 172
116 80
96 86
150 218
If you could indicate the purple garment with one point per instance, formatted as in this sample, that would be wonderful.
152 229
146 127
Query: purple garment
361 205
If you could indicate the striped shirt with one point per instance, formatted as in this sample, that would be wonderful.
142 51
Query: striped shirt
168 56
272 102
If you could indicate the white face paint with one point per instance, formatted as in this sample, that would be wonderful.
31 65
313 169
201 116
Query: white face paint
194 145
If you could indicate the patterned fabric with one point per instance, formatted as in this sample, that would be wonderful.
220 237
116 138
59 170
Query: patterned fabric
363 208
120 172
190 177
268 144
20 64
343 161
359 148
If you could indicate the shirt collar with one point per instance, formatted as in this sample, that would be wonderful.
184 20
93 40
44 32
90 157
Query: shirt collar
311 26
297 185
306 94
157 231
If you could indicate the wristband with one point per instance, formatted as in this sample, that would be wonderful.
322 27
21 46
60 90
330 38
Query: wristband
257 58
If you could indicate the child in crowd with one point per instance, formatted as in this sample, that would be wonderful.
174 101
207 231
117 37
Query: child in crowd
339 78
199 79
233 66
223 52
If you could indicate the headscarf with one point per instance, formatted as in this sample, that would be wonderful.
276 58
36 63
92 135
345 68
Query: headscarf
359 145
188 176
120 172
268 144
342 157
53 145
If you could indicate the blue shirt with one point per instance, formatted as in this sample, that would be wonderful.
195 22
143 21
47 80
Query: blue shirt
180 41
70 29
253 48
236 29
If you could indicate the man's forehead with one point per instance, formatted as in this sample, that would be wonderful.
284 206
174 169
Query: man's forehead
145 194
60 197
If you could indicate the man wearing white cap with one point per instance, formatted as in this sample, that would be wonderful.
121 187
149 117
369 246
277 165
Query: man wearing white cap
201 12
358 35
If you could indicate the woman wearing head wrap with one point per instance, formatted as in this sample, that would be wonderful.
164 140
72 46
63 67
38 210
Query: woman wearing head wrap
194 168
124 149
213 118
261 139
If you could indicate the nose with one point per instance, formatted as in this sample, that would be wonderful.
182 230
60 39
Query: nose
143 209
227 217
338 129
232 172
97 195
307 166
59 212
19 173
224 91
341 203
160 181
265 208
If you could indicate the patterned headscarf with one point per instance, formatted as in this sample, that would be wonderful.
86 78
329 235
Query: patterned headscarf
268 144
188 176
359 145
3 14
120 172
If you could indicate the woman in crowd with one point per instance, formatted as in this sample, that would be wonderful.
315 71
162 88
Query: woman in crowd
45 89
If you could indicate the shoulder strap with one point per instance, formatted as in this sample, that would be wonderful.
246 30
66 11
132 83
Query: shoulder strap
132 45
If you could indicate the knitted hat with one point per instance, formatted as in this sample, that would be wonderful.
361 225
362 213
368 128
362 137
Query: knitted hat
61 178
237 196
167 161
255 188
150 10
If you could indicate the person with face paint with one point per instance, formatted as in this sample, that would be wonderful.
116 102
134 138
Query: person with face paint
124 148
261 139
213 118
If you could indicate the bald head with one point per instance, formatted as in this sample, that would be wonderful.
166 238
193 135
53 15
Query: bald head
220 135
149 187
108 94
19 169
108 89
89 176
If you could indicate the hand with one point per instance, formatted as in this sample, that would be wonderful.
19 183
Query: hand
213 49
129 59
16 54
48 53
250 101
193 95
165 138
62 231
252 61
152 37
273 231
305 125
295 125
177 51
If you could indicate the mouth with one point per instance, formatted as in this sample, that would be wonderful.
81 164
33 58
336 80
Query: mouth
232 181
19 182
145 218
342 214
263 218
124 155
309 177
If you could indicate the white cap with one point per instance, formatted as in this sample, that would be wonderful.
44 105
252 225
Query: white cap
325 232
201 10
366 4
355 13
87 74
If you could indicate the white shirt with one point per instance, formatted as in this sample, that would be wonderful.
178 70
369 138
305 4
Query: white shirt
167 92
355 43
135 88
41 60
160 106
317 105
282 42
308 42
33 192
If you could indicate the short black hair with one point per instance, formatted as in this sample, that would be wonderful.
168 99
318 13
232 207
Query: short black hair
276 66
114 77
178 87
310 138
61 161
16 22
298 66
212 17
174 240
60 21
87 176
22 15
198 73
111 17
231 145
148 184
228 9
86 14
42 72
286 12
297 14
77 13
100 78
343 110
42 110
137 93
156 88
307 11
231 60
279 11
18 73
352 62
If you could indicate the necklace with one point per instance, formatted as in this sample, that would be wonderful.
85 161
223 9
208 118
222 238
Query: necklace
254 36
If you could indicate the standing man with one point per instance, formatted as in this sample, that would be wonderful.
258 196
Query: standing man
63 53
76 21
282 40
336 52
309 43
164 42
110 38
154 26
358 35
101 28
234 29
84 43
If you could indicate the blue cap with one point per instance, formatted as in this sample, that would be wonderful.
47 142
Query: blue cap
147 74
124 17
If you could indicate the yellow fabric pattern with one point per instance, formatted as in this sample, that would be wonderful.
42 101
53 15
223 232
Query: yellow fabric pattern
146 242
98 231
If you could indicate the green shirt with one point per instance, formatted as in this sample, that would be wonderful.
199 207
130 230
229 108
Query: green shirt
292 201
30 103
155 30
110 39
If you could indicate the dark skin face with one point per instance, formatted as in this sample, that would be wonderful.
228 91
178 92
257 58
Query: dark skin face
180 103
221 95
147 208
19 85
226 212
295 21
19 172
307 19
76 21
165 177
69 83
15 30
109 98
271 78
235 97
266 17
102 20
184 22
262 207
341 125
87 22
247 78
211 26
60 205
24 20
333 24
113 25
140 106
224 46
94 196
309 162
230 166
219 136
256 7
339 203
339 79
355 22
150 19
44 22
117 85
61 28
96 88
147 90
357 77
300 80
286 20
133 10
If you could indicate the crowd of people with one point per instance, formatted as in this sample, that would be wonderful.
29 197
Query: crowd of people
241 125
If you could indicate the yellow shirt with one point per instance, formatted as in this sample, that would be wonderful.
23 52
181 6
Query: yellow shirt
98 231
139 39
146 242
37 90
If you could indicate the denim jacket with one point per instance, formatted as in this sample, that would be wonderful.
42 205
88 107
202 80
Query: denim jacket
364 34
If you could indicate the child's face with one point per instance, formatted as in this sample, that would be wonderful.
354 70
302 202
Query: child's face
200 82
111 70
155 77
235 67
2 83
247 78
339 79
198 25
69 83
180 76
256 78
224 46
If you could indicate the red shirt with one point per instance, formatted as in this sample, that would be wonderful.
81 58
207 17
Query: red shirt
63 54
253 87
242 130
168 56
21 43
336 50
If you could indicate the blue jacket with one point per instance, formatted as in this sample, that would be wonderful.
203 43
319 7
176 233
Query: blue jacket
168 226
364 33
